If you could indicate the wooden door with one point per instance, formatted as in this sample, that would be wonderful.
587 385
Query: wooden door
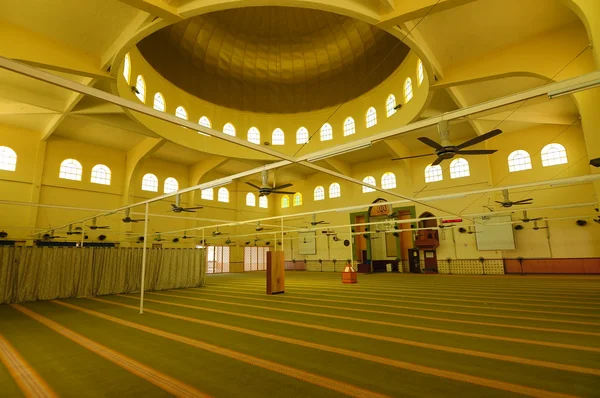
430 257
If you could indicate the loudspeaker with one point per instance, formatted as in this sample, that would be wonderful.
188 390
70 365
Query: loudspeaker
595 162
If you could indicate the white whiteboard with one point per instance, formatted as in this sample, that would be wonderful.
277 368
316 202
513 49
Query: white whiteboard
494 237
307 243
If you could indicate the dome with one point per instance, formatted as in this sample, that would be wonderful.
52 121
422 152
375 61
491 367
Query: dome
274 59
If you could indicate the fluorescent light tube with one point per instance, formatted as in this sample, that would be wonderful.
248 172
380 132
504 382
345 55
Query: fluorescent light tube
574 89
339 152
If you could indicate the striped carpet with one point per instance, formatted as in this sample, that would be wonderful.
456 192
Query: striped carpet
389 335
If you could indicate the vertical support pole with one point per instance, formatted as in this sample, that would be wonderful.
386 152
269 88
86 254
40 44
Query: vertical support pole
282 242
282 233
144 259
351 248
205 248
82 235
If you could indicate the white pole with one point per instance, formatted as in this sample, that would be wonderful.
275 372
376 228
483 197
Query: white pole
351 249
144 260
82 234
282 235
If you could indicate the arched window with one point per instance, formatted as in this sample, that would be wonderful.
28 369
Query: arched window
371 117
553 154
420 73
278 138
302 136
140 86
388 180
390 105
204 121
70 169
263 202
326 132
369 180
159 102
519 160
8 159
349 127
100 174
319 193
334 190
408 90
297 199
433 173
150 183
254 135
285 202
127 68
207 194
459 168
250 199
171 185
181 113
229 129
223 195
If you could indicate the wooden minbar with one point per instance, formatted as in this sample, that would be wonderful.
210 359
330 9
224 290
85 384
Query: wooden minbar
275 272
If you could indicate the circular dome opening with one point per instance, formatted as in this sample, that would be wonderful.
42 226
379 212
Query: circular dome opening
274 59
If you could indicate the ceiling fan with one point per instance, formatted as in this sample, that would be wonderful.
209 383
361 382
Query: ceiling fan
446 150
264 189
71 232
51 236
259 228
536 227
509 203
186 237
128 219
314 221
527 219
442 226
177 208
95 226
158 238
217 232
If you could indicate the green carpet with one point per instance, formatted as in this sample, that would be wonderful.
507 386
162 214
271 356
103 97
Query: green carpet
390 334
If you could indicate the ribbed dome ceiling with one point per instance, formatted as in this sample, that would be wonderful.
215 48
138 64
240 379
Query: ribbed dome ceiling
274 59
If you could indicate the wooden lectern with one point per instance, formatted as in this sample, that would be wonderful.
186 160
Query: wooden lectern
275 272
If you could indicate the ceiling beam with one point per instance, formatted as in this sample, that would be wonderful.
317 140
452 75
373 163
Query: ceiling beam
459 100
105 62
387 5
139 21
156 7
408 10
94 74
338 165
58 119
523 59
418 39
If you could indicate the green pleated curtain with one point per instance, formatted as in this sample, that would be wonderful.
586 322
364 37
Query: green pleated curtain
45 273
